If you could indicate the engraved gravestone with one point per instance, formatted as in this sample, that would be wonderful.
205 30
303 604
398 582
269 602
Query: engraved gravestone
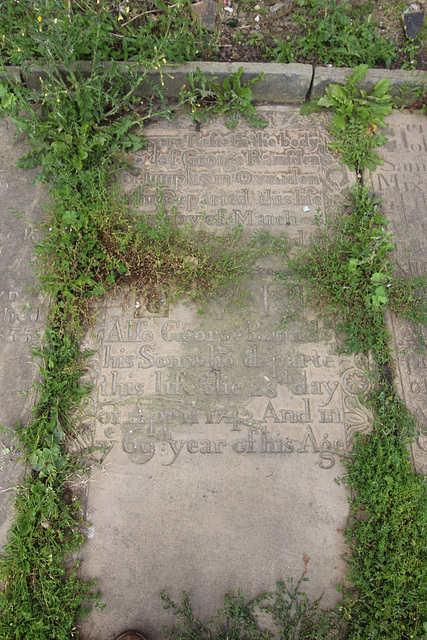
221 434
20 312
401 181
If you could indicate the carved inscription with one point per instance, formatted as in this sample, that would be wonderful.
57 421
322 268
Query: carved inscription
21 315
180 386
401 180
275 178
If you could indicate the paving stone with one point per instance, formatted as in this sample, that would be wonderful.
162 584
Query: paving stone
282 83
21 314
222 433
401 181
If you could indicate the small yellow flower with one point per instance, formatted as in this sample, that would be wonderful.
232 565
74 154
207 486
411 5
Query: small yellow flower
55 20
22 34
19 49
39 18
127 9
58 100
41 79
120 18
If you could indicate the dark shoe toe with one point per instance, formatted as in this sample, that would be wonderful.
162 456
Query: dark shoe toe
131 634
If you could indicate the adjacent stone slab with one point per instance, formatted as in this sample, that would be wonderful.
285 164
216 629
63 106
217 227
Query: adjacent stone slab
401 180
221 434
21 315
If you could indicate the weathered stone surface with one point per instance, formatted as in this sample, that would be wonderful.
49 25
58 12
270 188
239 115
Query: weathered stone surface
21 316
222 433
219 434
401 181
274 178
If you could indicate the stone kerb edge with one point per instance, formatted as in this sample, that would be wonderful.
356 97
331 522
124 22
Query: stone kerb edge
401 82
282 83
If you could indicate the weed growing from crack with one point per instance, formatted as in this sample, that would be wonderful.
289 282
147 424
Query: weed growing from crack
419 98
42 592
75 122
207 98
96 240
287 608
357 115
349 271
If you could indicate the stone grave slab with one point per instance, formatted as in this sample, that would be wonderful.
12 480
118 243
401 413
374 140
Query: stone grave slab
21 315
221 434
402 182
